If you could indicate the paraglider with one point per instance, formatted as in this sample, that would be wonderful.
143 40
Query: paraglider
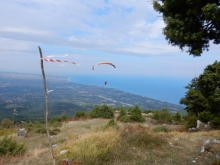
109 63
100 63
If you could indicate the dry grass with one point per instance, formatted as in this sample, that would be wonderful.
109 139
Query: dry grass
131 144
90 148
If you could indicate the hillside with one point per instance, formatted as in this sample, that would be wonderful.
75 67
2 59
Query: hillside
25 93
89 142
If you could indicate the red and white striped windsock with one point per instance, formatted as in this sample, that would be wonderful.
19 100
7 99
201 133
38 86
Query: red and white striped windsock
55 60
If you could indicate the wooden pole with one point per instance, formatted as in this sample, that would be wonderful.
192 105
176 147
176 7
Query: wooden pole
47 112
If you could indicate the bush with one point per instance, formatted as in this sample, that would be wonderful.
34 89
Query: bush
136 114
56 124
162 116
112 123
54 131
41 130
80 114
191 120
102 112
10 147
205 116
6 123
95 113
177 117
215 123
58 119
122 113
36 127
123 117
161 129
148 111
139 136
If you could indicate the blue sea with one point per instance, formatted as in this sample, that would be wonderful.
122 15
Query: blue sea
167 89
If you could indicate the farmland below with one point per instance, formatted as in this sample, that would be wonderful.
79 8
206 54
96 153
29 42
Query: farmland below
25 93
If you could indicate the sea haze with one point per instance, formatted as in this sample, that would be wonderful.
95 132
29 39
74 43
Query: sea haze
167 89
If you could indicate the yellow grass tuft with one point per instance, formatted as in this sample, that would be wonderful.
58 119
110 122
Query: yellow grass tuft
90 147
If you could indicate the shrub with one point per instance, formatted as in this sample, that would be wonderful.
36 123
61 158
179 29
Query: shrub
106 112
112 123
55 119
148 111
54 131
161 129
191 120
139 136
102 112
6 123
136 114
122 113
215 123
64 118
80 114
95 113
10 147
129 109
177 117
162 116
205 116
41 130
123 117
58 119
36 127
56 124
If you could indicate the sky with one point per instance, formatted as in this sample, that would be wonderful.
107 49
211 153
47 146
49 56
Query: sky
127 33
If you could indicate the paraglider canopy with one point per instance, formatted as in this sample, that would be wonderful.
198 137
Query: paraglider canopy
100 63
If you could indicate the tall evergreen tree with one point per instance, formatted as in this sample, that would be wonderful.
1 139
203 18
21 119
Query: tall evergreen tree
204 92
190 23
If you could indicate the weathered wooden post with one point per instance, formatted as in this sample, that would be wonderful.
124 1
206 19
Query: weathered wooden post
47 112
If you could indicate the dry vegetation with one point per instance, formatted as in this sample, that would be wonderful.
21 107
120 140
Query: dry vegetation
90 142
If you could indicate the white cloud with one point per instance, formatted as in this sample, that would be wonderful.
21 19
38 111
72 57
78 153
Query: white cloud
93 29
54 22
22 30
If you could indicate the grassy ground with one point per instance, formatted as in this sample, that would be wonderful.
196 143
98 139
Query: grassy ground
90 142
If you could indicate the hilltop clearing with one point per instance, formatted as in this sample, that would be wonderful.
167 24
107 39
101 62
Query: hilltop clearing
94 141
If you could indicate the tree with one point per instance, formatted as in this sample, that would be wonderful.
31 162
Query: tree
195 102
209 85
190 23
204 92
